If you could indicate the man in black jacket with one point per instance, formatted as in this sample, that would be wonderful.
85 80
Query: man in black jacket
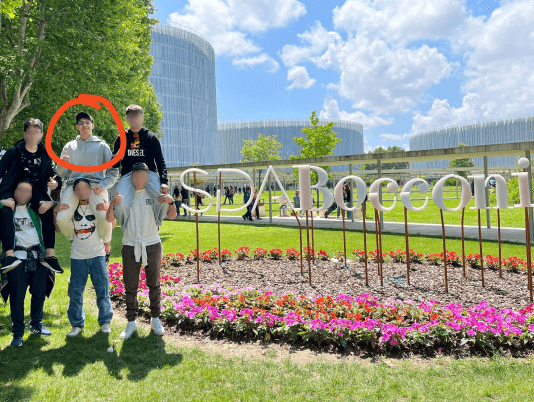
185 199
142 145
29 160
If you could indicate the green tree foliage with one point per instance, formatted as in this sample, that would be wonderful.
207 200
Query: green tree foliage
382 150
52 51
265 148
461 163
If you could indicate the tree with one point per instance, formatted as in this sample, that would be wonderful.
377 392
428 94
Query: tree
320 141
51 51
200 179
461 163
382 150
265 148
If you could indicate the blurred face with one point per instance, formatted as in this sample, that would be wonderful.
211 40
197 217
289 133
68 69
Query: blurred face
33 135
82 191
135 121
85 127
139 179
23 193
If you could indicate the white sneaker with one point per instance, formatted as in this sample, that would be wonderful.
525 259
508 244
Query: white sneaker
75 331
157 327
131 327
105 328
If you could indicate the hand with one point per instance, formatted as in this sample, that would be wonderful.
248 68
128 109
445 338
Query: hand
65 157
98 190
61 207
165 198
164 189
117 200
44 206
52 184
9 202
102 207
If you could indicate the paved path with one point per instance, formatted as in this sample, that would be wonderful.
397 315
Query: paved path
514 235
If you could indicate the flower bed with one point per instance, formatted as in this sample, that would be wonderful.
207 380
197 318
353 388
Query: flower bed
342 321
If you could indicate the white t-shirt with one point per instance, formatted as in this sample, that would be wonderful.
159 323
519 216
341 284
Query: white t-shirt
25 232
86 242
141 224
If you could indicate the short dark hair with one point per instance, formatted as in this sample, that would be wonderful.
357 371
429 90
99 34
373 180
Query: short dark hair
33 122
79 180
134 110
26 181
139 166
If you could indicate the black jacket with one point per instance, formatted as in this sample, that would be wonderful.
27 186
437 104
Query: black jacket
10 169
148 151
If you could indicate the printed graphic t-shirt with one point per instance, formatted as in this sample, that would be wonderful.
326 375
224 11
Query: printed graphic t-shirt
25 232
30 164
86 242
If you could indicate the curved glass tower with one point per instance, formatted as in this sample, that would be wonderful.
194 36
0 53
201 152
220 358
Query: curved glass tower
494 132
231 136
183 77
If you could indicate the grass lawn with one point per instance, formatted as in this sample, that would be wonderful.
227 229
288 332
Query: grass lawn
150 368
509 218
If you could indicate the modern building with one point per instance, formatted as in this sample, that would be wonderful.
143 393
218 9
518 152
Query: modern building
183 77
493 132
231 136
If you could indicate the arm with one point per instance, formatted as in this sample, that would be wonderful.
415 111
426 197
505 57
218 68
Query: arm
112 173
61 171
167 199
160 161
116 147
110 214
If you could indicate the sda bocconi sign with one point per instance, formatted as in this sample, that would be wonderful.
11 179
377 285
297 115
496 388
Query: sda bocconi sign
306 188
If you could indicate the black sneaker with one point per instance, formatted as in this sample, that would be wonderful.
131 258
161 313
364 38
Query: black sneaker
52 264
9 264
42 330
107 257
17 341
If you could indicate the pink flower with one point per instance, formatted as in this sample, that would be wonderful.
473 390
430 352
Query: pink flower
471 332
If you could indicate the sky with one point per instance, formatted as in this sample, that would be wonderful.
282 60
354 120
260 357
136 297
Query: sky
398 67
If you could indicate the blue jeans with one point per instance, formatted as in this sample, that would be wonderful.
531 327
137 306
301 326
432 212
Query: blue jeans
79 271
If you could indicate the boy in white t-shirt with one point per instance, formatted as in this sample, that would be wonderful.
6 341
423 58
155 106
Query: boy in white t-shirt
141 246
88 257
29 249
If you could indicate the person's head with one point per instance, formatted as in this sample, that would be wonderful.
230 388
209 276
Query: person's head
82 189
135 116
23 192
139 175
297 192
176 191
248 190
33 131
85 125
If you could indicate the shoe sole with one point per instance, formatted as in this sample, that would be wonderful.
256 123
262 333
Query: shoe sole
72 336
47 265
11 267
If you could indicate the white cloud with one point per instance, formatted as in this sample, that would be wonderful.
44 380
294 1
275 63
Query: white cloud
318 40
300 78
401 21
380 79
393 137
366 146
270 65
500 78
331 111
225 24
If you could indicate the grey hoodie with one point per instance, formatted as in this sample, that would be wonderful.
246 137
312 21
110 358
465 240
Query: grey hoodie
90 152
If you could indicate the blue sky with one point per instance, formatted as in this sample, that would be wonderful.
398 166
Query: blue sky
398 67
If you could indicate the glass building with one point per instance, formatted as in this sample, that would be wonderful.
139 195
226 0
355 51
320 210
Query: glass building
183 77
231 136
494 132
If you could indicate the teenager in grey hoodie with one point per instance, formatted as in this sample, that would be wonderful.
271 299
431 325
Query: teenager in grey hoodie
87 150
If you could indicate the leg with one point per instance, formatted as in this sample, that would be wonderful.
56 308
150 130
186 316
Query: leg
131 271
103 226
37 282
8 230
47 221
78 278
153 273
64 218
100 280
126 188
19 284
